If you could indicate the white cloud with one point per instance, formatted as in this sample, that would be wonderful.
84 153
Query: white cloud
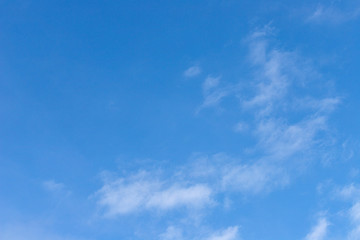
286 128
57 189
319 231
172 233
214 97
195 196
141 192
254 178
53 186
276 73
274 84
226 174
349 192
282 140
289 129
177 233
334 14
210 83
279 75
213 93
230 233
123 196
354 214
192 71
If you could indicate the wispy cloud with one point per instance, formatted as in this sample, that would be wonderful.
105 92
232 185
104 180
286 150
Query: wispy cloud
226 174
254 179
214 92
351 193
334 14
141 192
288 127
192 71
210 83
287 123
281 140
319 231
350 216
53 186
176 233
172 233
354 214
230 233
278 75
56 188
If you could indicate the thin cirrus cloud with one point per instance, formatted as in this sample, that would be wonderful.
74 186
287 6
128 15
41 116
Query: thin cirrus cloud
333 14
319 231
192 71
210 83
214 92
280 144
347 218
254 179
53 186
351 193
354 215
176 233
141 192
277 75
172 233
231 233
288 129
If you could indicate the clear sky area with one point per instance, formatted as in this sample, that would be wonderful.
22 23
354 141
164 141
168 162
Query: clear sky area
179 120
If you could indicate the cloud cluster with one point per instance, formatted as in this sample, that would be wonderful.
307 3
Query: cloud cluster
288 124
288 127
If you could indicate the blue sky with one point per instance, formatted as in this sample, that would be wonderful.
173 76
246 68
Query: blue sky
174 120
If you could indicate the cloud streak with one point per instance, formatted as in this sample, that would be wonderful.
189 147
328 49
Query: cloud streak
142 192
333 14
192 71
319 231
230 233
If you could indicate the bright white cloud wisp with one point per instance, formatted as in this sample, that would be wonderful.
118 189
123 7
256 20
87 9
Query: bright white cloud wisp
142 192
230 233
319 231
